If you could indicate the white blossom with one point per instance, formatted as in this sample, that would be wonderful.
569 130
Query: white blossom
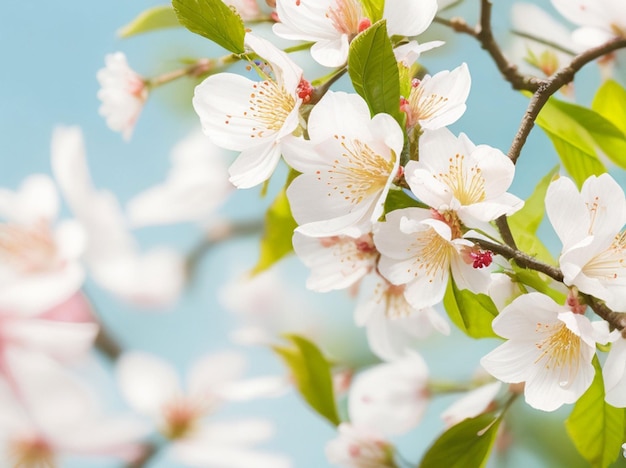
359 447
614 372
599 20
123 93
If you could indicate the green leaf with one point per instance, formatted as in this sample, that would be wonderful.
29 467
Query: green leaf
610 103
471 313
534 280
311 373
152 19
398 198
214 20
595 427
604 133
279 227
573 143
525 222
467 444
374 9
374 71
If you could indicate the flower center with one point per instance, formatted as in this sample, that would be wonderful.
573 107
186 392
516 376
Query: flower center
433 254
29 249
451 219
467 183
609 264
346 17
560 350
396 304
270 104
31 452
181 416
360 173
422 105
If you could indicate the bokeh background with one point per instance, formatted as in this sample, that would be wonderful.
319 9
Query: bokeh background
51 52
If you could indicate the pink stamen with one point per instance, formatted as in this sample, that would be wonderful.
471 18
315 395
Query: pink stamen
364 24
304 90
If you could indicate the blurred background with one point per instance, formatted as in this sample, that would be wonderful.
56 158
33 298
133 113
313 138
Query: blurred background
51 53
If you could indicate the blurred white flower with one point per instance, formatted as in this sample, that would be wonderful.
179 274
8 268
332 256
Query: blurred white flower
549 347
332 24
155 277
56 415
390 397
359 447
614 372
599 20
254 117
590 226
195 187
123 93
39 265
347 167
152 387
471 404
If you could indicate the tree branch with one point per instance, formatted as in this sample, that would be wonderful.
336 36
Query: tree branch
560 78
616 319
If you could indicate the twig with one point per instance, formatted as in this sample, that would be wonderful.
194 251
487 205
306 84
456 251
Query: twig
560 78
616 319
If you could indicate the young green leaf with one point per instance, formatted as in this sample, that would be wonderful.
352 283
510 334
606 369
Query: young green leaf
311 373
152 19
525 222
610 103
398 198
374 71
471 313
532 279
467 444
595 427
279 227
214 20
573 143
374 9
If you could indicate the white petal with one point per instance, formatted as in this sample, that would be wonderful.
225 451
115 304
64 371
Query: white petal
408 17
211 372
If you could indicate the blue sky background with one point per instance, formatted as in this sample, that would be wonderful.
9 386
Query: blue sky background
51 52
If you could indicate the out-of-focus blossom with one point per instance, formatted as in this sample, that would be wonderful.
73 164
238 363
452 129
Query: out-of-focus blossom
392 324
347 167
455 175
614 372
65 332
332 24
471 404
549 347
599 20
56 415
420 251
439 100
152 387
195 187
390 397
336 262
123 93
39 260
590 225
247 9
267 308
254 117
155 277
359 447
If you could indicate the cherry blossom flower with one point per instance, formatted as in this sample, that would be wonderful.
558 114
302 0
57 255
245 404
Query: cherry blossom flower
332 24
407 54
359 447
549 347
152 388
419 251
254 117
56 416
390 397
347 167
439 100
590 225
196 186
392 324
453 174
152 278
40 265
599 20
336 262
123 93
471 404
614 372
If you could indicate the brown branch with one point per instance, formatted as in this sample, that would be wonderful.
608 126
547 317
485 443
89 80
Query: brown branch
616 319
560 78
521 258
505 231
